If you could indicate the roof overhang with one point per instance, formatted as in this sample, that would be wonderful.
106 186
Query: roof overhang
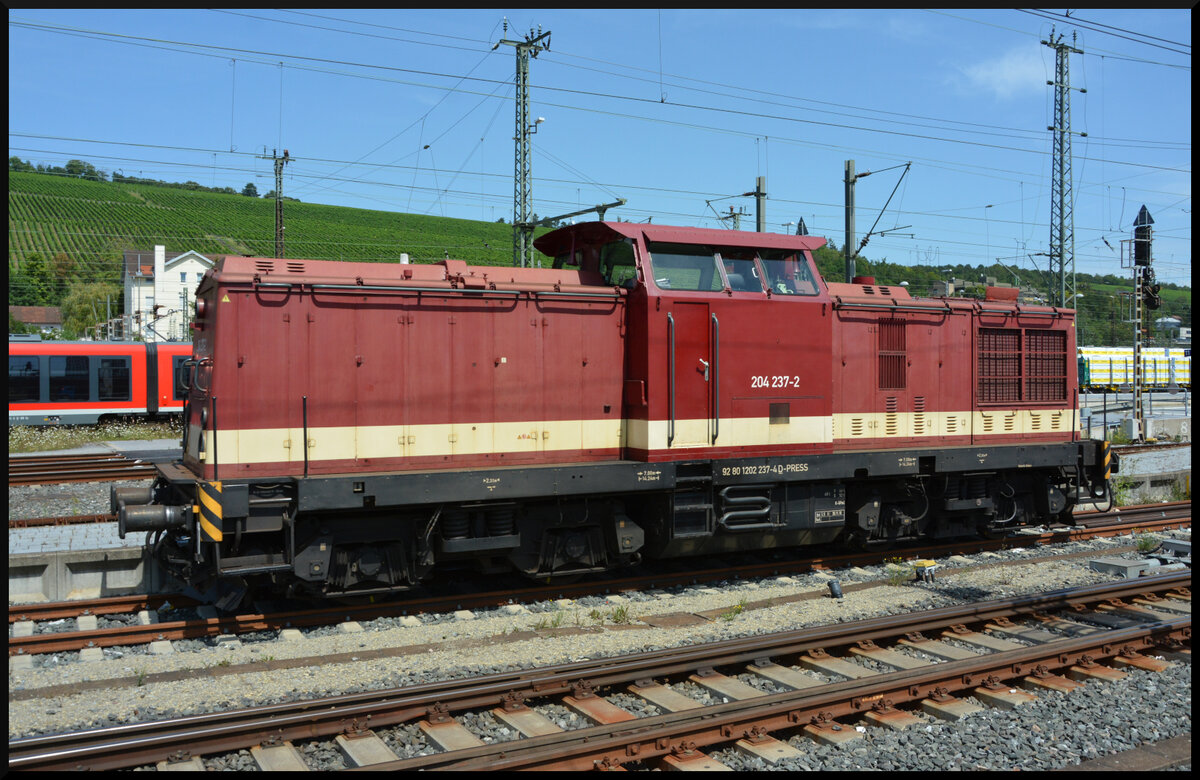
562 240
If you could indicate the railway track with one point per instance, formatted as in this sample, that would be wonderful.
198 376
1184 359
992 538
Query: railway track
819 682
41 522
1150 518
45 470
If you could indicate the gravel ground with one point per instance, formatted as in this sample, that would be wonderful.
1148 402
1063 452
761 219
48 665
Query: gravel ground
1095 720
1057 730
461 649
26 502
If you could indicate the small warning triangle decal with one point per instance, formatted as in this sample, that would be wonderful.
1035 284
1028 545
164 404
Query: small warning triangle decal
225 299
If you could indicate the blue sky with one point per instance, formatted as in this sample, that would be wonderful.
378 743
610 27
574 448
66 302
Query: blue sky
677 111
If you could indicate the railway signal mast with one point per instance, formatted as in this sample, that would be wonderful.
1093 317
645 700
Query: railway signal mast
1145 296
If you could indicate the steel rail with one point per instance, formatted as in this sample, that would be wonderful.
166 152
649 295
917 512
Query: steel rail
91 475
139 634
38 522
111 605
42 469
657 736
140 743
64 458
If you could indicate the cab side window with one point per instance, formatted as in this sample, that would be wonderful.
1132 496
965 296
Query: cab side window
617 264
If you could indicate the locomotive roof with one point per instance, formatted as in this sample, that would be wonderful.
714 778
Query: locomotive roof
563 239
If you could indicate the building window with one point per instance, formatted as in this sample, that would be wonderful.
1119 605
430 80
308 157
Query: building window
183 277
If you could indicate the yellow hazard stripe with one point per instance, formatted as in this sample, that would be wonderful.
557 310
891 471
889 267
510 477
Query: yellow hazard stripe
211 503
210 511
214 534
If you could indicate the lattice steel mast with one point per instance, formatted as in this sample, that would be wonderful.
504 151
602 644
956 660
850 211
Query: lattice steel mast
1062 209
279 163
523 173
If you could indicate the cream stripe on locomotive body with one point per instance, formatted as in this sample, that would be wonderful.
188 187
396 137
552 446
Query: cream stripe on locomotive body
582 440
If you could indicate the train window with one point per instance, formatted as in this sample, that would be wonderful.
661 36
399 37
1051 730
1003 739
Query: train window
114 379
69 378
179 372
617 264
24 378
788 272
684 267
741 271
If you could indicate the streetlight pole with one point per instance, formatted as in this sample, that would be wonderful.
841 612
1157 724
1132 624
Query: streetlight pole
1078 321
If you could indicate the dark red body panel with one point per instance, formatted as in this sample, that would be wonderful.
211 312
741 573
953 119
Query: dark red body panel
323 368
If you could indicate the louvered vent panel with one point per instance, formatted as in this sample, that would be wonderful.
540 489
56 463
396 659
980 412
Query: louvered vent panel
999 367
893 373
1046 365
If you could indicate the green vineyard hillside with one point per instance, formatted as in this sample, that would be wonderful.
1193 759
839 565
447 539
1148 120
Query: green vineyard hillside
95 221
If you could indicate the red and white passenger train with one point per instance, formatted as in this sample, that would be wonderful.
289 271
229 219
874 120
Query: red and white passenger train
659 391
81 382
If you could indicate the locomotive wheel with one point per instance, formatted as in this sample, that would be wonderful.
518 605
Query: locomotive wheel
988 531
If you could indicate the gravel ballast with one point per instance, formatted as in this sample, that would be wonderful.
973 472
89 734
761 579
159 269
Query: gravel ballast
489 643
1057 730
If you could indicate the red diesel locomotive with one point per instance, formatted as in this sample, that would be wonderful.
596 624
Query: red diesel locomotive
659 391
83 382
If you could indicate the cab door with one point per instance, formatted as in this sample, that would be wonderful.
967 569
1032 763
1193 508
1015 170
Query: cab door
693 374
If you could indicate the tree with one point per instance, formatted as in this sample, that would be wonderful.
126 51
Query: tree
250 191
32 283
63 268
84 170
86 305
16 327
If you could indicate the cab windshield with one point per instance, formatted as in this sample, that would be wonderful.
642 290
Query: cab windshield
787 272
741 271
